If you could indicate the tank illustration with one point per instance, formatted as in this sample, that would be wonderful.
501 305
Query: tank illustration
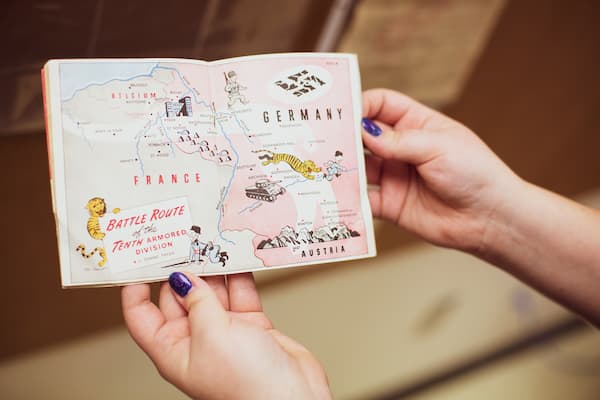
264 190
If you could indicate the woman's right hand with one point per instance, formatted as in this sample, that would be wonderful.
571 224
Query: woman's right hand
436 178
212 340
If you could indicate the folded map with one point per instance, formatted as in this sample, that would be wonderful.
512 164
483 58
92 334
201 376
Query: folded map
243 164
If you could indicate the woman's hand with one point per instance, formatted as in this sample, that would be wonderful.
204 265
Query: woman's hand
436 178
212 340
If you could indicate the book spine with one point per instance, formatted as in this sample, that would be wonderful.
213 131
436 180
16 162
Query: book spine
47 122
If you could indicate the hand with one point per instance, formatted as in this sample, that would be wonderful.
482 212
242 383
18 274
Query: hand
215 342
436 178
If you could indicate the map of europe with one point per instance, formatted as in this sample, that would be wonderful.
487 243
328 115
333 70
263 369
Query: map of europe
238 165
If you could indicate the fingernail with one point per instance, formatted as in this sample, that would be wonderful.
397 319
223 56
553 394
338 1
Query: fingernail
180 283
371 127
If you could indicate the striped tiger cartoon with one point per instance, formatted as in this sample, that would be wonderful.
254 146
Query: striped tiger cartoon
97 208
305 168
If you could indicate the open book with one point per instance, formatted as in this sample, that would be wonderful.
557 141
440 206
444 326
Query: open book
221 167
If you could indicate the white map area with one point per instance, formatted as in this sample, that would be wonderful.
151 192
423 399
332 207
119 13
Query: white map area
120 144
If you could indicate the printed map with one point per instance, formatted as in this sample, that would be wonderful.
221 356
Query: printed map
237 165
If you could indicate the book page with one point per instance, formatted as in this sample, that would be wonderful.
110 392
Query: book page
213 168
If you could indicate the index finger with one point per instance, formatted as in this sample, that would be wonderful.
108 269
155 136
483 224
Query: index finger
142 317
243 295
390 107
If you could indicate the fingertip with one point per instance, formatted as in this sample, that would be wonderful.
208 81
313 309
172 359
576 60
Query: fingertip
190 290
180 283
183 282
371 127
196 296
168 303
134 294
247 277
219 287
390 107
243 294
377 140
199 283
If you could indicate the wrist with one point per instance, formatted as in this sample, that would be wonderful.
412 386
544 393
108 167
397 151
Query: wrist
503 224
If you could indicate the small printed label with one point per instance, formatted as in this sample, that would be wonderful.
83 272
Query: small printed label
148 235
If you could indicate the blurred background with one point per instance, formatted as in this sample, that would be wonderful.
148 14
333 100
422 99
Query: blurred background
416 322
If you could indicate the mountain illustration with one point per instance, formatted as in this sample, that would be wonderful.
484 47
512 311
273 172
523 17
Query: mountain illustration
289 237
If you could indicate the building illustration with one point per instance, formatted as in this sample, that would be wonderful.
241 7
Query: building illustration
181 108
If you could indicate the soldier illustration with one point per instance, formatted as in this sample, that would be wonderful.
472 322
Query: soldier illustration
334 167
199 250
195 246
214 253
232 87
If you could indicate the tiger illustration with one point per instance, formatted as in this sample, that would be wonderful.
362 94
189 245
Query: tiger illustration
97 208
99 250
305 168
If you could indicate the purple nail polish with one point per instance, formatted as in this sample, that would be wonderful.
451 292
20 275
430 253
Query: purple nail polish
180 283
371 127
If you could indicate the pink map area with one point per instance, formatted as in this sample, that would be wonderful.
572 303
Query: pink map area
328 128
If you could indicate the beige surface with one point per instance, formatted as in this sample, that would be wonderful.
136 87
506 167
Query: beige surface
426 49
397 318
402 317
566 369
213 29
374 328
102 366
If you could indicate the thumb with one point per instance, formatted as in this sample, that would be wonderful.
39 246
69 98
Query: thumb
413 146
205 312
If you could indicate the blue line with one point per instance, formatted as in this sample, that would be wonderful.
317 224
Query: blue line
296 181
184 83
139 139
149 74
250 206
80 130
244 128
228 186
165 133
